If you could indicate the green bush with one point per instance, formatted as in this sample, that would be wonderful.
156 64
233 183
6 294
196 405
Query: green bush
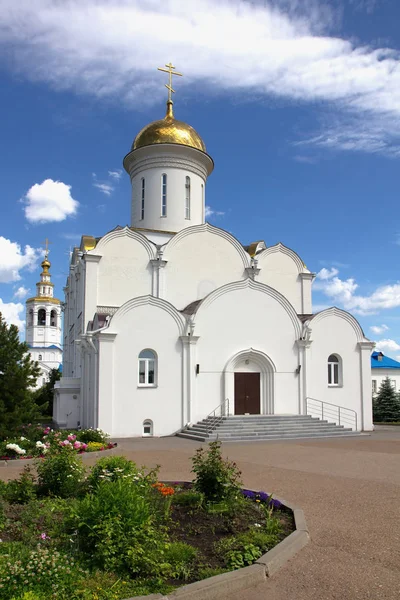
112 468
215 477
182 559
60 474
243 549
40 571
92 435
188 498
118 530
45 516
22 490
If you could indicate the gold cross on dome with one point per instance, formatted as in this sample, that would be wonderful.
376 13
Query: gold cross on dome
170 70
46 245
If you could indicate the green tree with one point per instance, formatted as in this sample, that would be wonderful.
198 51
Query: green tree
386 404
18 373
44 395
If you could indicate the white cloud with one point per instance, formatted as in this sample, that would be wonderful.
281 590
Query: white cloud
111 48
379 329
117 174
387 346
13 259
49 201
210 212
343 292
21 293
11 312
106 188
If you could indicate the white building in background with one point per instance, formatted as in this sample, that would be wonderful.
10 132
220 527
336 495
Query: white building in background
381 367
168 317
43 325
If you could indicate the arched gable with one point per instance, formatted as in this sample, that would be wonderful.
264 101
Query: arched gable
117 319
341 314
281 248
127 233
257 286
206 227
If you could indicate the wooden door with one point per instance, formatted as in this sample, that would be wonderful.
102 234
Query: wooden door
247 393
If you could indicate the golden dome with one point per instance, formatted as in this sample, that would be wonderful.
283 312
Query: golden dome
168 131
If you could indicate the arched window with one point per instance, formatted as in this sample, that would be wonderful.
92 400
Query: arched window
147 428
30 318
187 198
142 198
40 357
147 368
41 317
164 195
53 318
334 370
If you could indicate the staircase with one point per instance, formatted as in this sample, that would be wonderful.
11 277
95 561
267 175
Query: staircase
254 428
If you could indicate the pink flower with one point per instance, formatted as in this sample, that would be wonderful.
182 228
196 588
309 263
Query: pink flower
44 536
77 445
72 437
46 431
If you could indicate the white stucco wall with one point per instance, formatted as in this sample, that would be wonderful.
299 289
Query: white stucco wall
124 270
247 316
281 268
333 333
123 404
200 260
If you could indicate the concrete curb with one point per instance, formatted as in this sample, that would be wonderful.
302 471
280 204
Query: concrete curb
222 585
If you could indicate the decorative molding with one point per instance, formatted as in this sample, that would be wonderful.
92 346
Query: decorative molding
93 258
165 162
207 228
341 314
252 272
107 310
366 345
125 232
307 276
151 301
258 286
189 339
165 155
301 268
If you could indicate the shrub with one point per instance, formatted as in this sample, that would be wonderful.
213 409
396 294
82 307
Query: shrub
217 478
22 490
117 529
45 516
60 474
94 446
92 435
243 549
40 570
112 468
182 558
188 498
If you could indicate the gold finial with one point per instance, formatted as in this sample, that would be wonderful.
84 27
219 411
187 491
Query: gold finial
170 70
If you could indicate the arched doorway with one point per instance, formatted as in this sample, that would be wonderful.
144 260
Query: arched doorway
249 383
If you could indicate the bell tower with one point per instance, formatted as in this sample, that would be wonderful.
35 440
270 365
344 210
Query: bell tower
43 323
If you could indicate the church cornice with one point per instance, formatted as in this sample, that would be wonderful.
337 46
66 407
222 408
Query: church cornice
301 268
126 232
43 300
149 301
342 314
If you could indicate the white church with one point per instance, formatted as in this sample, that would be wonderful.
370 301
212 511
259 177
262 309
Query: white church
169 317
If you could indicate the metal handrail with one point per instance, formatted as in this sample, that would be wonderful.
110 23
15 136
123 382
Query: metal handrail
338 410
212 420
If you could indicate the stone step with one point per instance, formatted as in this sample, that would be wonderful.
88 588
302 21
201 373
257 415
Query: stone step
239 426
267 431
234 418
260 438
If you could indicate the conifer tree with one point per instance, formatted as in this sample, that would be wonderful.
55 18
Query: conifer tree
44 395
386 404
18 373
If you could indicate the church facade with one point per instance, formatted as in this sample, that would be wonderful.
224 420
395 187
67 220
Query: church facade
168 318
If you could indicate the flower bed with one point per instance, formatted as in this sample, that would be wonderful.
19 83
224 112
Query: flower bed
117 531
36 441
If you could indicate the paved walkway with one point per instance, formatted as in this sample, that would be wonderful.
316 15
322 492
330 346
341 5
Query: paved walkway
349 489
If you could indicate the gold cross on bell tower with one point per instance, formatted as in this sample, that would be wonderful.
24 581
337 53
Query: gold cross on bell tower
170 70
46 245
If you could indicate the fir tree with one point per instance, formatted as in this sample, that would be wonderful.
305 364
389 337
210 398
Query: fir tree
386 405
18 373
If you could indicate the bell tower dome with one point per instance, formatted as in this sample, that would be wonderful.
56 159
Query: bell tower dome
168 166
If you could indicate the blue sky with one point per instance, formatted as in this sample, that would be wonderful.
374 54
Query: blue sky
298 102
